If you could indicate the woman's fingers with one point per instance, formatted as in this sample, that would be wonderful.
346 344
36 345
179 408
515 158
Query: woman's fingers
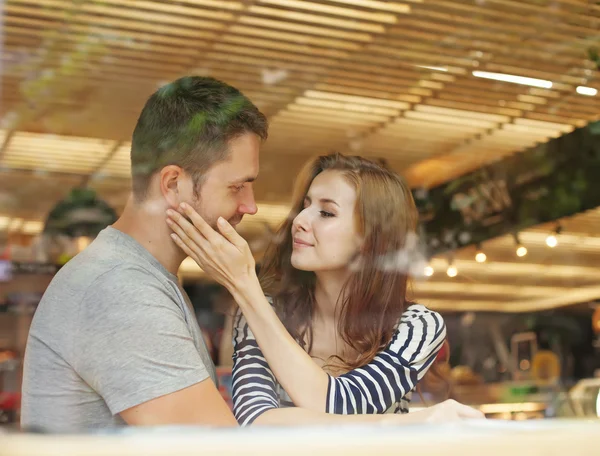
209 234
204 228
232 235
185 230
224 256
190 236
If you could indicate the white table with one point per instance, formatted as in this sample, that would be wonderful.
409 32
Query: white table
482 438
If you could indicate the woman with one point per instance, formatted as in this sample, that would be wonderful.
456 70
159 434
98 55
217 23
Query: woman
338 333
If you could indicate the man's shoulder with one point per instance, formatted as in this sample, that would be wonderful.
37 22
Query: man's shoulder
129 282
89 268
92 280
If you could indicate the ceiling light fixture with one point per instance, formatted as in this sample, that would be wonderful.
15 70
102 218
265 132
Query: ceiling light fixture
434 68
541 83
377 5
589 91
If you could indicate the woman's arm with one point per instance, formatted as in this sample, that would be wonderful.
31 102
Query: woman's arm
373 388
300 376
251 371
254 385
395 371
255 400
300 417
265 411
444 412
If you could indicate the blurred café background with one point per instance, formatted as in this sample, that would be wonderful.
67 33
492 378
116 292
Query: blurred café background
489 109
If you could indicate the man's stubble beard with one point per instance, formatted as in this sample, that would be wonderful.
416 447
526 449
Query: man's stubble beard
196 203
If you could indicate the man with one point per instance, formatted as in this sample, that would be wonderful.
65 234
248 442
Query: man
114 340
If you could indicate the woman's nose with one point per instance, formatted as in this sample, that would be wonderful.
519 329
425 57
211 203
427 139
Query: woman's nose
301 221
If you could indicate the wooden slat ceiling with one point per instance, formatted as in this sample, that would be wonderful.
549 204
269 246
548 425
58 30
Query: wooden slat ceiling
392 80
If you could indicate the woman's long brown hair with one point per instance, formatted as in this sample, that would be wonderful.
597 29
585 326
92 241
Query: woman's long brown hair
374 297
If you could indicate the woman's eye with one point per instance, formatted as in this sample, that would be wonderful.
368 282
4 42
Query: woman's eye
326 214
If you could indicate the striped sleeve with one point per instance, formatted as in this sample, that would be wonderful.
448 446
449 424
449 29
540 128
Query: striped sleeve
395 371
254 385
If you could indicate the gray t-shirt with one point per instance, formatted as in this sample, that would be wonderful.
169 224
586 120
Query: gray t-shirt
113 330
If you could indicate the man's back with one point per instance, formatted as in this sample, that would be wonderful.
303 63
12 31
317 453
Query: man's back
112 331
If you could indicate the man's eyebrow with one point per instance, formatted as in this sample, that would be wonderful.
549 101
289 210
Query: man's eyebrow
244 179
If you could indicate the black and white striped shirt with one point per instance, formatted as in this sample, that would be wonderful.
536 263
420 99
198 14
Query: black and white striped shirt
382 386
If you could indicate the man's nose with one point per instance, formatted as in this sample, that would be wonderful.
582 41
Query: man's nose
248 206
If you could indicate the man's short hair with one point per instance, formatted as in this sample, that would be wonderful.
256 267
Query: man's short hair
189 123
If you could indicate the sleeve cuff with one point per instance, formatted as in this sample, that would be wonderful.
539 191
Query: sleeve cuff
155 391
330 398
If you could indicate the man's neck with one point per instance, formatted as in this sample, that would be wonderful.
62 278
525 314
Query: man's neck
146 223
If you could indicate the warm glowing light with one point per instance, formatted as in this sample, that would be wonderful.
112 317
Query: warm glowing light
452 271
589 91
514 79
433 68
83 242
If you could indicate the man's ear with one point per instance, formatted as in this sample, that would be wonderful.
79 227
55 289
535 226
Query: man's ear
172 185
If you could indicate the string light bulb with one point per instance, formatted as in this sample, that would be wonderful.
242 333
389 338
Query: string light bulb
480 257
428 271
451 271
552 240
521 249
